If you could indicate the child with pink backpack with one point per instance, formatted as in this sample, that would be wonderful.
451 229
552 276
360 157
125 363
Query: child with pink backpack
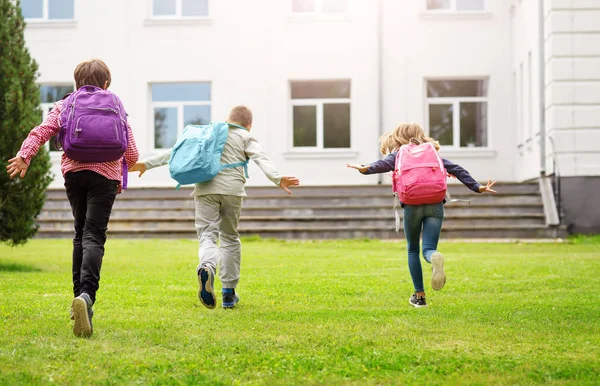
419 182
91 126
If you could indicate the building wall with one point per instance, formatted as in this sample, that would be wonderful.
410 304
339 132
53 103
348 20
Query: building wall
572 102
573 86
250 51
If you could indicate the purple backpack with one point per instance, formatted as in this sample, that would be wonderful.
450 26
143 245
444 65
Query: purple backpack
93 127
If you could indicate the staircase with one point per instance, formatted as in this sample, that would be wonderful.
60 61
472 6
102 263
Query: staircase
314 213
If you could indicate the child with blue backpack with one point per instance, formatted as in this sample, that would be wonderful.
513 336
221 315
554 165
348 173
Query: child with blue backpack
419 180
91 126
218 200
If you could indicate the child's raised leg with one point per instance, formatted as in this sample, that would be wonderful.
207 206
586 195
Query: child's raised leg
432 226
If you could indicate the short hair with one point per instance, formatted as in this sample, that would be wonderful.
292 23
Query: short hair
92 72
242 115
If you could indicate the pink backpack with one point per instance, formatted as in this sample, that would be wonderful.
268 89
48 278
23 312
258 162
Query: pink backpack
419 176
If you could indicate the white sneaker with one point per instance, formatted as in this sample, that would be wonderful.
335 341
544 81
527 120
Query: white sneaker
438 277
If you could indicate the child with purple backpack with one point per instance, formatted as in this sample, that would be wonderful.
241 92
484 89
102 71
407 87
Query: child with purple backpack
91 126
419 181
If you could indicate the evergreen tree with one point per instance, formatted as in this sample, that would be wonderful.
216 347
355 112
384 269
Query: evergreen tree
21 200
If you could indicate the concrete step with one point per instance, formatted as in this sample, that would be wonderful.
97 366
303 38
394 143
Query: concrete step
351 210
327 191
305 201
182 223
511 232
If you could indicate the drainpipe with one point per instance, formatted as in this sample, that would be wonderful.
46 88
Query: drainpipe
379 78
542 91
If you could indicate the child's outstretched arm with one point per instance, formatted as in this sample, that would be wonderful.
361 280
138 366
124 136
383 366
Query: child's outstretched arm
464 177
37 137
157 160
255 152
381 166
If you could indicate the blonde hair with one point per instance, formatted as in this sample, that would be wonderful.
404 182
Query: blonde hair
241 115
92 72
402 135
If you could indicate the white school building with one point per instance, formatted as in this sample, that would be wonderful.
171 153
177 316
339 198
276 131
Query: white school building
510 88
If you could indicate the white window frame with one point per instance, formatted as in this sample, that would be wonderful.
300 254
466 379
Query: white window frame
318 102
178 12
179 105
318 9
453 8
455 102
46 14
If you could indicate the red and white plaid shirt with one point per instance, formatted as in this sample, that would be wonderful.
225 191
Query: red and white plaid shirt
51 126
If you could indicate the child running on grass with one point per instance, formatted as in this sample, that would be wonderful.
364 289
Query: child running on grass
93 180
218 207
427 217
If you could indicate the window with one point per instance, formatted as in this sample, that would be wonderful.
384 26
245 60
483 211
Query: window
48 95
48 9
176 105
457 112
319 6
456 5
321 114
179 8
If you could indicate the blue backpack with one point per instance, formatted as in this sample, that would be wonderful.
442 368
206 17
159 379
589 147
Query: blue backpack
196 157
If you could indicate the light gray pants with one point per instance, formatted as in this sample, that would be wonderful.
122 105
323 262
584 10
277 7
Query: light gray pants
217 218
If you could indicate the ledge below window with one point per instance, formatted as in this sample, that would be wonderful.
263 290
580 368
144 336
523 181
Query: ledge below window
312 17
321 154
455 15
50 24
467 152
178 21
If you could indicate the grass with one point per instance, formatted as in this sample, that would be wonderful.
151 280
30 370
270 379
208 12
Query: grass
310 313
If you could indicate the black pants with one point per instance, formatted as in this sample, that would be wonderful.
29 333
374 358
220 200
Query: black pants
92 197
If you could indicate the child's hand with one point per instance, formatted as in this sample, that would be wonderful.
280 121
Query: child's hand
288 181
361 168
138 167
488 187
16 166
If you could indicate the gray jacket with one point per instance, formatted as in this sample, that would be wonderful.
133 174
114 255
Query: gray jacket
240 145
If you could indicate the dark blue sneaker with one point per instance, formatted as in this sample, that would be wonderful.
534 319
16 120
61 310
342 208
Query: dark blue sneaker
230 298
206 294
82 315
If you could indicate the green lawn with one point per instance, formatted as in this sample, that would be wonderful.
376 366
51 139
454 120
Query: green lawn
310 313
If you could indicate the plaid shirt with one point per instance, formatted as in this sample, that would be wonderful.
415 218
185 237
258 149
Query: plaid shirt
50 127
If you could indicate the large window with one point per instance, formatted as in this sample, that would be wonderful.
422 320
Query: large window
179 8
457 112
176 105
48 95
320 6
456 5
48 9
321 114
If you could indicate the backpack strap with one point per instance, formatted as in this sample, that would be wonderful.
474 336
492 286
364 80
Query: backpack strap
237 165
125 173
